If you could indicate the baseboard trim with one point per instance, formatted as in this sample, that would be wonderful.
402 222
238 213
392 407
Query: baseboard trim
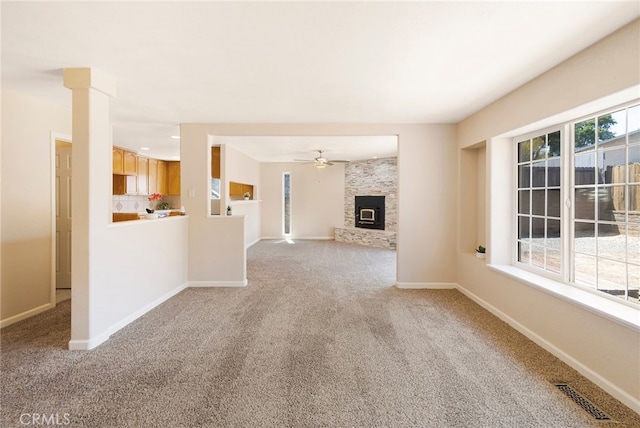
209 284
87 345
627 399
26 314
250 244
298 238
427 285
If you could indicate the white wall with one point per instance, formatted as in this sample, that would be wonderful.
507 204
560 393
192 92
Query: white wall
252 211
605 74
217 244
317 200
240 168
144 262
26 226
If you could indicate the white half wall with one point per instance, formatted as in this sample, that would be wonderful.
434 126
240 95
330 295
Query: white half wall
252 213
217 243
144 263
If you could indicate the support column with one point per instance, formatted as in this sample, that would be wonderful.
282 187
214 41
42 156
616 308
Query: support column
91 191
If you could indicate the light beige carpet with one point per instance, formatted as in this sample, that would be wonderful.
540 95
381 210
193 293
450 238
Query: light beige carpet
319 337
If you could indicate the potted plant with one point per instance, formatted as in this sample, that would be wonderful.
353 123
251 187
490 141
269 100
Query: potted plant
229 210
247 196
481 252
154 197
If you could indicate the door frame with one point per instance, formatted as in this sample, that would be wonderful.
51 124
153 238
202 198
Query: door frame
53 136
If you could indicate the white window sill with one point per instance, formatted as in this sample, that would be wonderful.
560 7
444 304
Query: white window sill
616 311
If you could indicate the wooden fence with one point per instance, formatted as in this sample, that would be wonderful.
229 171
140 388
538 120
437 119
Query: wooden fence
616 174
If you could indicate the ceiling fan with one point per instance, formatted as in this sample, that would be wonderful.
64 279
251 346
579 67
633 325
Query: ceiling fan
320 161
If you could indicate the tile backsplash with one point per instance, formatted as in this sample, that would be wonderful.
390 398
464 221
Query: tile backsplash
138 204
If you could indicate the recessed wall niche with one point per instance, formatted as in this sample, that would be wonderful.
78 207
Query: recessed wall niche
473 160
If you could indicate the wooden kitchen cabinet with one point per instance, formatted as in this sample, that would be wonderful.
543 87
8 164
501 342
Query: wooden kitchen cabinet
143 176
153 176
119 184
162 177
118 161
125 184
138 175
215 162
130 163
237 190
173 178
124 162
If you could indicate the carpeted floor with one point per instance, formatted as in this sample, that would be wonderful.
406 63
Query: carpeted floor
319 337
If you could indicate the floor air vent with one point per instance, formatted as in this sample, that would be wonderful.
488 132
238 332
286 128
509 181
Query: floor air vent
582 402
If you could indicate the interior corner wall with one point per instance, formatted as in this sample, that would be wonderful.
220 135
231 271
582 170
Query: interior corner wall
317 199
598 77
240 168
27 124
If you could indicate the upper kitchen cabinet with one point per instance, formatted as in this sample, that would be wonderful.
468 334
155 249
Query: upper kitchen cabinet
118 161
153 176
215 162
130 164
139 175
173 178
162 177
124 162
238 190
143 176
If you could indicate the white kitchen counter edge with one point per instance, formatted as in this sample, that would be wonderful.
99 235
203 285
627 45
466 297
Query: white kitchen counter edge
126 223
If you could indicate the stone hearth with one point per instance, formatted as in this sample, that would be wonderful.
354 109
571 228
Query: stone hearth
367 237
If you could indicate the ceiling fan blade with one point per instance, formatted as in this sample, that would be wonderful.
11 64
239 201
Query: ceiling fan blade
330 163
339 161
304 160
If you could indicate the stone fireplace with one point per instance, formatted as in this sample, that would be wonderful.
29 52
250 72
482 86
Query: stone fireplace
374 223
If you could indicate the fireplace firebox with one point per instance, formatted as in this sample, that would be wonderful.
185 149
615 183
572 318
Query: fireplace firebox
369 212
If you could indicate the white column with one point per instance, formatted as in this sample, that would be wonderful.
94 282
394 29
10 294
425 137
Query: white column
92 187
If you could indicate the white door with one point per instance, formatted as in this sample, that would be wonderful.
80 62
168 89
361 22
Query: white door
63 215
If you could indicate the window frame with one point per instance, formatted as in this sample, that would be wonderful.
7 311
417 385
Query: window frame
566 277
558 276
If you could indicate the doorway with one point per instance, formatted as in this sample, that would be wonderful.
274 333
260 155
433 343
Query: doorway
62 214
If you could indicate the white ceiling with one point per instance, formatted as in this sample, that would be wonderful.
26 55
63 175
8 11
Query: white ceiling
294 62
286 149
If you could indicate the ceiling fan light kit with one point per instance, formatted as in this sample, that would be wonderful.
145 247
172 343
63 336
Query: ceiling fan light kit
320 161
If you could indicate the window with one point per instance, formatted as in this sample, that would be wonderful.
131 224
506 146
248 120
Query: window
594 242
539 201
215 188
286 193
